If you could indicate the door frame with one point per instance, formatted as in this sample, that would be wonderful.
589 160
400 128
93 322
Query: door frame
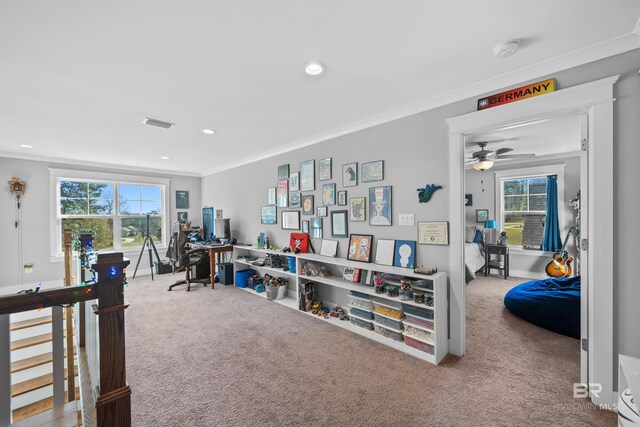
595 100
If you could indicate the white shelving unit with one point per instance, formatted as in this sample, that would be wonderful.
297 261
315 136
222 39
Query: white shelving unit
334 289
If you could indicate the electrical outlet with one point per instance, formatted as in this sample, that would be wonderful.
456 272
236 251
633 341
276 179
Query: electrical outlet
406 219
28 268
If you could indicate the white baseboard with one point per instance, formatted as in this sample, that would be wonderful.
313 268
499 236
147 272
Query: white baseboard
527 274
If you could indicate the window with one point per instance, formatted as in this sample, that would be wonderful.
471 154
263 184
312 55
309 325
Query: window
114 211
524 214
521 205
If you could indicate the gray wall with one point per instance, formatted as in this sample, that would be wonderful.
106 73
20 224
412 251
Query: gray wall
35 219
415 152
531 266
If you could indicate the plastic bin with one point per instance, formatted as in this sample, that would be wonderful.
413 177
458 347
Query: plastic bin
359 294
385 331
425 313
419 344
421 321
363 303
242 277
388 310
418 332
276 292
363 323
387 321
422 284
365 314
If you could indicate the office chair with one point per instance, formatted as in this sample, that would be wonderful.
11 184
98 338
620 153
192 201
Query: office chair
181 257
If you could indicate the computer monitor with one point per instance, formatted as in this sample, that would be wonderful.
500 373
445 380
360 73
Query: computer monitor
208 215
223 228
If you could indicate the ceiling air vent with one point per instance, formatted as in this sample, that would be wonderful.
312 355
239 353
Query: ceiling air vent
159 123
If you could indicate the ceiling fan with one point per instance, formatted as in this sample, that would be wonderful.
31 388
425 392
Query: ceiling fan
484 159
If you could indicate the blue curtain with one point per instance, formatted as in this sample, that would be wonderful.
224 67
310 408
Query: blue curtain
551 240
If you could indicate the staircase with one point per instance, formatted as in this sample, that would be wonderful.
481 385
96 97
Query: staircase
31 364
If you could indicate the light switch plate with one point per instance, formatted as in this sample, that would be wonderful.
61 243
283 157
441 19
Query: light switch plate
406 219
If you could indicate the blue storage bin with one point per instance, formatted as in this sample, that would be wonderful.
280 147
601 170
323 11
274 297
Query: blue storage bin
242 277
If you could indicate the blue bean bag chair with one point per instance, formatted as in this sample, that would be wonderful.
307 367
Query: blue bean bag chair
552 304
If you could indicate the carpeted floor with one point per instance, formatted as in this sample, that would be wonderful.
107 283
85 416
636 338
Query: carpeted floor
225 357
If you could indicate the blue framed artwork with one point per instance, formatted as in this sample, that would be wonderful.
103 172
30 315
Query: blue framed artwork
269 215
380 205
405 254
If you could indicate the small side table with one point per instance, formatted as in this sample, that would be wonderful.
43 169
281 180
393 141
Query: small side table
496 250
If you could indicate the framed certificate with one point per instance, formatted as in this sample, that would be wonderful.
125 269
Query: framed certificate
433 232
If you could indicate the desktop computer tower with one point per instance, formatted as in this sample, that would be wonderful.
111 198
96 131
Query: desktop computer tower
225 273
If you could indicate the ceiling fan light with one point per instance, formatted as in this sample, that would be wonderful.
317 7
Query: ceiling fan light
483 165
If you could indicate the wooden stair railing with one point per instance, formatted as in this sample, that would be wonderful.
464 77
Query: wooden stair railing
68 266
113 405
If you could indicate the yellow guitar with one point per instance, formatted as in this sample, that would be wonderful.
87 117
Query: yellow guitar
560 265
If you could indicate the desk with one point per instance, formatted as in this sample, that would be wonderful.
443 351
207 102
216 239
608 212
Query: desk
496 250
214 250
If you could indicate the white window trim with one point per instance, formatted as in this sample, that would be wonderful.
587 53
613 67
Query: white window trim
528 172
55 222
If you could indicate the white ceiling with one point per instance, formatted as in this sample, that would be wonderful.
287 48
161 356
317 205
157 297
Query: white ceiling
558 136
78 78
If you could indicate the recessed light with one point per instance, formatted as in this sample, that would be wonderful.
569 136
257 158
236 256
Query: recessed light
508 48
208 131
26 146
165 157
314 68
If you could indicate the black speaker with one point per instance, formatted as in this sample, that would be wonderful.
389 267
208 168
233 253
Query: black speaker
225 273
202 271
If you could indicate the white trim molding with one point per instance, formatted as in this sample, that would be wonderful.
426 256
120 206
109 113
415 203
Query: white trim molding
595 101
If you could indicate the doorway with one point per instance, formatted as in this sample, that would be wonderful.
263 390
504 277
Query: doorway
511 176
595 101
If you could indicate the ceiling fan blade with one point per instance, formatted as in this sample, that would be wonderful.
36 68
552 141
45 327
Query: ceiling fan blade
500 151
482 153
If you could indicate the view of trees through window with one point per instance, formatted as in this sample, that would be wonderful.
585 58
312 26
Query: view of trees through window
525 205
92 207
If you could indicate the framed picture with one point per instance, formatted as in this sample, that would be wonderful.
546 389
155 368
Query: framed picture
324 169
321 211
339 226
283 171
373 171
482 215
350 174
294 201
307 204
291 220
305 226
282 193
329 248
328 194
294 181
380 205
271 196
183 217
316 228
308 175
468 199
405 254
182 199
385 250
269 215
342 198
433 232
360 247
358 209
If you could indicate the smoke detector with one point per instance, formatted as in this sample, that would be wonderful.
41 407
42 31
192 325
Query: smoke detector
158 123
504 49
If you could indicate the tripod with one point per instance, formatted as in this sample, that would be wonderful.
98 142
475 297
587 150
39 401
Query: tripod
148 243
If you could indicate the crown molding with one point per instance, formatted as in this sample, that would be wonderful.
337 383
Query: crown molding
576 58
111 166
